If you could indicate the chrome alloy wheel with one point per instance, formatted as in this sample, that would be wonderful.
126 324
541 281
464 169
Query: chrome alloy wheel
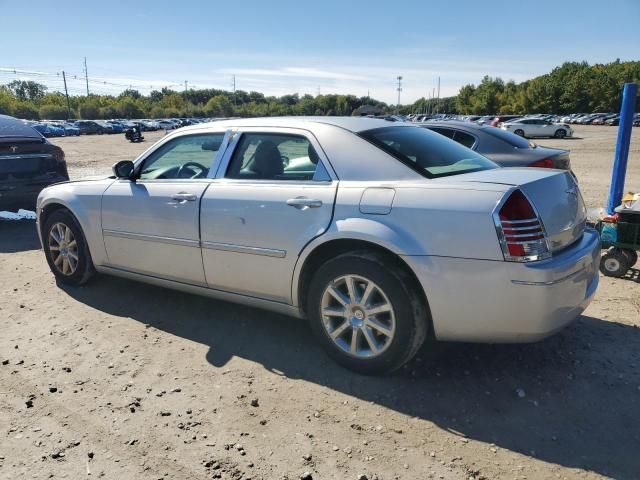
358 316
63 248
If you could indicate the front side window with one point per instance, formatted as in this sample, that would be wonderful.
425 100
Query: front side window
429 153
186 157
267 156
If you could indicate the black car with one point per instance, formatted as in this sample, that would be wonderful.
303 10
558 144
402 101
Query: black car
504 148
88 127
28 163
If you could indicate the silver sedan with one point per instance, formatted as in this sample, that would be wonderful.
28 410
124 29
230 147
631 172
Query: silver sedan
379 233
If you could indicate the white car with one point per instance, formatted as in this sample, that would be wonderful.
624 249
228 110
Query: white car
379 233
537 127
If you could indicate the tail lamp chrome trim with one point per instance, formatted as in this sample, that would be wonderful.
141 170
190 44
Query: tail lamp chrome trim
502 238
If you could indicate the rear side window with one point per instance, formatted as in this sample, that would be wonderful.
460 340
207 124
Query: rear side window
464 138
267 156
429 153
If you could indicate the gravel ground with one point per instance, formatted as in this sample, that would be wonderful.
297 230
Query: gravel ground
122 380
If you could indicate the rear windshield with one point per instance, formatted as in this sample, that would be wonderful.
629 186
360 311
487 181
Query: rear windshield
508 137
429 153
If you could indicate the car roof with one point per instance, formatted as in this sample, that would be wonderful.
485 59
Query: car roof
353 124
11 127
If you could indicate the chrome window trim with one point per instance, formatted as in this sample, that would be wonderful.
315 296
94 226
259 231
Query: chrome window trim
138 162
223 166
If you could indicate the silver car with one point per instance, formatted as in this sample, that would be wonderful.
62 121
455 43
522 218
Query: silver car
379 233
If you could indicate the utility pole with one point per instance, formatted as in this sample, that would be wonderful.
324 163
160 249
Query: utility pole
399 90
66 92
86 75
235 103
186 101
438 104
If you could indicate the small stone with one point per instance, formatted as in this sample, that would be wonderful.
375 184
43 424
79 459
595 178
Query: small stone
53 389
306 457
335 448
362 476
306 476
432 454
176 390
5 362
189 411
521 393
255 403
29 403
165 413
263 422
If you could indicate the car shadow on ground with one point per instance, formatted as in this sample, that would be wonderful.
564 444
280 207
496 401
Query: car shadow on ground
571 400
18 236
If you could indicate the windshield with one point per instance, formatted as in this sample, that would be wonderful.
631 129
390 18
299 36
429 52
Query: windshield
429 153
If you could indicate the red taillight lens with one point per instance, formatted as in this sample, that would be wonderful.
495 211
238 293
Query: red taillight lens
521 233
544 163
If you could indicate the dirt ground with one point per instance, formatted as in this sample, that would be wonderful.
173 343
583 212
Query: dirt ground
120 380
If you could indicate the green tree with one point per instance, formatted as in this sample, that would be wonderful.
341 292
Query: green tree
53 112
27 90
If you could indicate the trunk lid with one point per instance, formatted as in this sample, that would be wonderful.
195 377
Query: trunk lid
554 194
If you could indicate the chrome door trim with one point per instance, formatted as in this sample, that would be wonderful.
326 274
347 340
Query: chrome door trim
152 238
228 247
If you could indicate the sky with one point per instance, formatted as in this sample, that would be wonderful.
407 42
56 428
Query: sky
279 47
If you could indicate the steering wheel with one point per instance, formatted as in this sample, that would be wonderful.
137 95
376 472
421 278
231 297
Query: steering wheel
202 169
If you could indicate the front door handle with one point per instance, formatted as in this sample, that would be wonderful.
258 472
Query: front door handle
302 203
184 197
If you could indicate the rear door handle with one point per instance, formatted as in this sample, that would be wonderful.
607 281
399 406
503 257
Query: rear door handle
302 203
184 197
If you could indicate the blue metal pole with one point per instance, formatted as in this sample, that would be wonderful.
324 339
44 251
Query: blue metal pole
629 94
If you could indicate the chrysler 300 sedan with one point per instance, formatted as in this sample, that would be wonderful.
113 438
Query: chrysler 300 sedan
379 233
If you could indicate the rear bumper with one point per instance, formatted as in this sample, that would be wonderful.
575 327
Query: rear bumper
507 302
17 195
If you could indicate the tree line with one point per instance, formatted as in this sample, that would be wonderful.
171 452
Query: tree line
570 88
573 87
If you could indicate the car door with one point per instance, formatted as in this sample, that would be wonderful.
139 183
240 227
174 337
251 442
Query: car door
273 193
151 224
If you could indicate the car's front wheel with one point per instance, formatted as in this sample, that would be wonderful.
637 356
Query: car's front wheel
365 312
560 133
519 132
66 249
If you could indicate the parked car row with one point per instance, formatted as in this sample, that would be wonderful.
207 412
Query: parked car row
59 128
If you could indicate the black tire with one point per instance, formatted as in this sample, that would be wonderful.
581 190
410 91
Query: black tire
412 319
614 263
84 267
100 132
519 132
632 257
560 133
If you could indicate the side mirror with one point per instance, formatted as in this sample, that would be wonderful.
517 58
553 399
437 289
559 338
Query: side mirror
123 169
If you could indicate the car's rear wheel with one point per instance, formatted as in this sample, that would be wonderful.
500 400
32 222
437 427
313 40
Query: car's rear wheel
560 133
66 249
519 132
366 313
614 263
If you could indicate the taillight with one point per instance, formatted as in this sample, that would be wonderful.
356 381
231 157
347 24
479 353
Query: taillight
520 231
544 163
